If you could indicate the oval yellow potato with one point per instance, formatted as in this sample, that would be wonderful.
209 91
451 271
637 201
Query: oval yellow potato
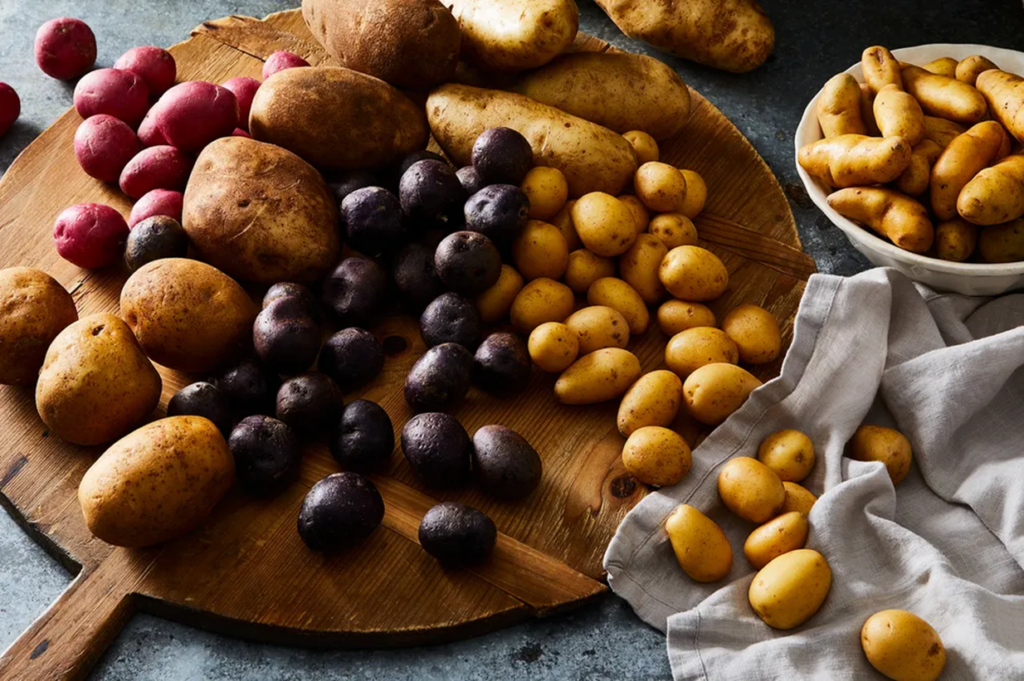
585 268
674 229
755 332
691 349
597 327
693 273
541 300
547 191
639 210
1002 243
605 225
494 303
696 194
898 114
714 391
876 443
785 533
789 453
540 250
675 316
798 498
702 549
902 646
661 187
553 347
600 376
563 220
750 489
619 295
639 267
790 589
645 146
657 456
654 400
34 308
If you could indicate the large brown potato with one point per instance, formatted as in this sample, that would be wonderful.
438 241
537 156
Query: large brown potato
512 35
34 308
260 213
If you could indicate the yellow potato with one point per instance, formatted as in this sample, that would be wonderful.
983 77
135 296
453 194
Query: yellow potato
876 443
880 68
900 218
898 114
563 220
540 251
750 489
693 273
644 145
839 107
798 498
713 392
995 195
598 377
691 349
675 316
618 295
585 268
656 456
547 191
966 156
661 187
597 327
541 300
639 210
785 533
674 230
605 225
1005 94
639 267
553 347
701 548
654 400
755 332
943 66
789 453
968 69
956 239
941 131
902 646
915 179
867 110
696 195
34 308
790 589
855 160
944 97
1002 243
514 35
494 303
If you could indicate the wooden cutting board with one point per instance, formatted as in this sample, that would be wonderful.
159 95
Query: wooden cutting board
246 572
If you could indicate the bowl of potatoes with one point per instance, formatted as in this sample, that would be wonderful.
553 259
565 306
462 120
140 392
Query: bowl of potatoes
914 154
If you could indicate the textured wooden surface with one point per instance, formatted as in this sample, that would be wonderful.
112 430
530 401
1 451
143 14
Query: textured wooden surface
246 572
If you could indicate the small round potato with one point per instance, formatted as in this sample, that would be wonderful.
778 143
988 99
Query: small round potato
798 498
597 327
693 273
540 250
657 456
563 220
547 191
639 210
750 489
956 239
696 194
902 646
639 267
661 187
789 453
585 268
876 443
691 349
702 549
675 316
605 225
619 295
541 300
553 347
654 400
494 303
34 308
713 392
644 145
785 533
674 229
756 333
600 376
790 589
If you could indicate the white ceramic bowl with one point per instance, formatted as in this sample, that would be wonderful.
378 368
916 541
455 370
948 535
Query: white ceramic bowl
967 278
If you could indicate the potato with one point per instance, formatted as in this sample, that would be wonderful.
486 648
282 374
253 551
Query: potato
867 110
876 443
750 489
1004 93
585 268
620 91
65 48
696 195
409 43
541 300
654 400
944 97
95 383
540 251
159 202
192 114
943 66
553 347
598 377
1002 243
789 453
157 483
855 160
280 60
969 68
732 35
244 89
995 195
34 308
337 119
691 349
798 498
900 218
791 588
592 158
103 146
902 646
674 229
838 107
656 456
898 114
517 34
701 548
641 215
494 303
605 225
563 220
964 157
755 332
915 179
645 146
956 239
186 314
714 391
675 316
639 267
880 68
154 65
693 273
618 295
114 92
661 187
597 327
261 213
785 533
90 235
159 167
941 131
547 191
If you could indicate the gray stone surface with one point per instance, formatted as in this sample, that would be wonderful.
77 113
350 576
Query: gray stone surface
602 641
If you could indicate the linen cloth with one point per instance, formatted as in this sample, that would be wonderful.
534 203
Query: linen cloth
946 544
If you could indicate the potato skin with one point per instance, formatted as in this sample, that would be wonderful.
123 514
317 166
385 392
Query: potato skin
157 483
900 218
944 97
784 533
701 548
337 119
956 239
598 326
674 229
941 131
877 443
855 160
750 489
618 295
880 68
969 68
791 588
916 178
654 400
678 315
598 377
964 157
789 453
515 35
639 267
714 391
902 646
656 456
585 268
943 66
495 303
995 195
1002 243
541 300
798 498
693 348
755 332
605 225
540 250
693 273
34 308
553 347
898 114
839 107
1004 93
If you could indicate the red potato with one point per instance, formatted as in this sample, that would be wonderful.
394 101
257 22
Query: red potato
241 133
65 48
281 60
154 65
10 108
244 90
121 94
193 114
163 202
162 167
104 145
149 134
90 235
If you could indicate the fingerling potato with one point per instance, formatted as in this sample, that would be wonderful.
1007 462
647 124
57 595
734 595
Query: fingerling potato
855 160
899 115
1005 94
941 131
880 68
945 97
966 156
915 179
1002 243
956 239
943 66
969 68
900 218
838 107
995 195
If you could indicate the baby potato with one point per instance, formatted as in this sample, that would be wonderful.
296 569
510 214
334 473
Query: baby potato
605 225
644 145
968 69
1002 243
944 97
838 107
540 250
714 391
598 326
600 376
553 347
541 300
702 549
880 68
639 267
961 160
693 273
855 160
956 239
941 131
900 218
791 588
547 191
619 295
584 268
693 348
563 220
789 453
657 456
785 533
34 308
755 332
898 114
661 187
675 316
653 400
494 303
639 210
696 195
877 443
750 489
943 66
995 195
798 498
674 230
902 646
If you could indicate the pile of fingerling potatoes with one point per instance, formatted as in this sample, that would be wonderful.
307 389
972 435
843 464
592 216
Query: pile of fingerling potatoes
926 156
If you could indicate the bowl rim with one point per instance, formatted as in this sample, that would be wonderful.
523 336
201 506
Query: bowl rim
808 130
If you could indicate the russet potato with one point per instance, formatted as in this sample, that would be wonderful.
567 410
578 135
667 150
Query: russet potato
34 308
